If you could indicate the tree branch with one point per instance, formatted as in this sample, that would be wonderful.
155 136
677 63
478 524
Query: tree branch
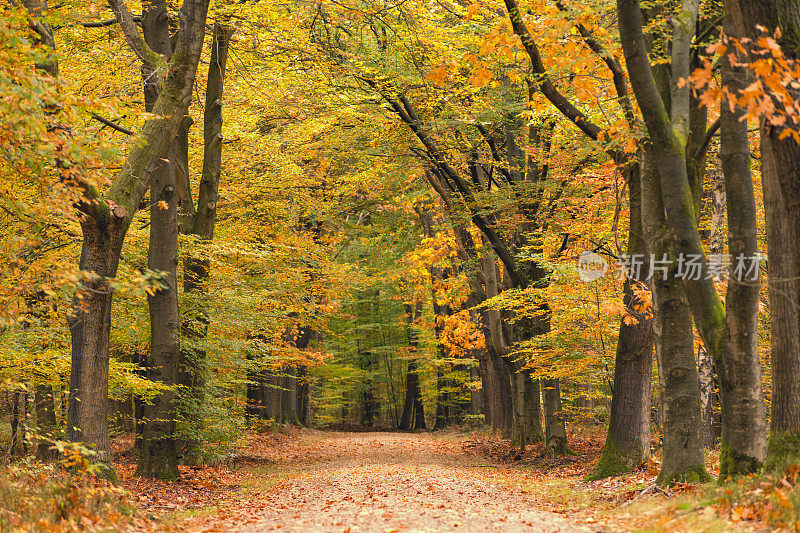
151 61
111 124
544 82
619 77
703 148
107 23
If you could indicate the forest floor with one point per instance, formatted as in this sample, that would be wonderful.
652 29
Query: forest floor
348 482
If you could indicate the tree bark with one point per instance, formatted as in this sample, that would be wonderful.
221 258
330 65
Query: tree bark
709 398
627 443
744 426
669 132
555 429
158 453
674 341
781 182
46 422
197 269
106 220
413 416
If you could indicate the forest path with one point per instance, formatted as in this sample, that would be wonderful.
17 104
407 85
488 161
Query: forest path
378 482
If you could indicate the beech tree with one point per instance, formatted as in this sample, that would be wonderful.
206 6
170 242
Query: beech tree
628 440
106 217
729 336
782 205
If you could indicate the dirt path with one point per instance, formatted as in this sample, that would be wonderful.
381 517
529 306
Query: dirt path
359 482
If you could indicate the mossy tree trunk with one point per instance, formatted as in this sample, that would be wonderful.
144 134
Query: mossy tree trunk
674 340
628 440
669 130
106 219
781 182
744 425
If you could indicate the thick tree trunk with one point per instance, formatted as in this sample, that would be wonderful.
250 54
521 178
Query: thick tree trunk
528 421
744 425
628 441
781 181
158 452
476 397
533 410
669 131
507 418
106 220
90 328
782 234
674 340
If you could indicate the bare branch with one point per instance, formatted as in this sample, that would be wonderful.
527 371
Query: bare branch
111 124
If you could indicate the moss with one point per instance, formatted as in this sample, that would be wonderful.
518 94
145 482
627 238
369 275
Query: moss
694 474
611 462
783 449
733 463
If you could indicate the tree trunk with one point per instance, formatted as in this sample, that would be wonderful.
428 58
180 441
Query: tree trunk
555 430
782 234
303 396
45 422
289 392
413 416
90 328
781 164
507 419
476 397
709 399
158 452
106 220
533 410
197 270
19 405
628 440
669 131
674 340
744 424
528 421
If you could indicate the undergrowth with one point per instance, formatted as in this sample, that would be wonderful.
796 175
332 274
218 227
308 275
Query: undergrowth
41 497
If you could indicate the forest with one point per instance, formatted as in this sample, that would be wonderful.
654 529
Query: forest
400 265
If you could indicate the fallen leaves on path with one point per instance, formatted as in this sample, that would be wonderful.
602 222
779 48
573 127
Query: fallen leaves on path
378 482
307 480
